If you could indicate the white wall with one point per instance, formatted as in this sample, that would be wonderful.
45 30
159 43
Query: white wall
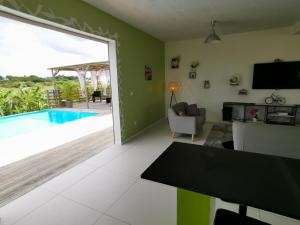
236 54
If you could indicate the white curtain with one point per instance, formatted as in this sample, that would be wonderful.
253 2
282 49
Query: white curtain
104 79
94 80
81 77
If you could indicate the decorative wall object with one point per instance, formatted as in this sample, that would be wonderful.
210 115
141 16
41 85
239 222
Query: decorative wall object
193 70
206 84
195 64
192 75
148 72
278 60
234 80
275 99
175 61
243 92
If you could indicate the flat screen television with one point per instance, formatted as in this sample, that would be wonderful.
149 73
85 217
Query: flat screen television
277 75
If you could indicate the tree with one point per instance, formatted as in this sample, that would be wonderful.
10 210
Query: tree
70 90
23 100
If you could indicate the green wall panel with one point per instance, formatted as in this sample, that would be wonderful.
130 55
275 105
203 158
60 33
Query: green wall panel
135 49
192 208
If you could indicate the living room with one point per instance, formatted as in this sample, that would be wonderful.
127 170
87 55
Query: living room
235 55
166 54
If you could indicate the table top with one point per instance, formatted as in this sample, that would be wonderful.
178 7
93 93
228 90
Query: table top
266 182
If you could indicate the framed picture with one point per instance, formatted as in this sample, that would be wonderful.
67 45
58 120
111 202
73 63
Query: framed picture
192 75
206 84
148 72
175 62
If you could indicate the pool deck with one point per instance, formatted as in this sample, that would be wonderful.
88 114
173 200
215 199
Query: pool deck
98 107
23 146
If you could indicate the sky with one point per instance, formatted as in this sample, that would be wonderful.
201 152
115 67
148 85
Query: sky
29 50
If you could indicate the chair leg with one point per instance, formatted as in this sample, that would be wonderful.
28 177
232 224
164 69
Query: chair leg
173 135
193 137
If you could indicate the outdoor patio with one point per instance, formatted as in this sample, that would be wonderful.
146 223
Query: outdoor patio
52 151
100 107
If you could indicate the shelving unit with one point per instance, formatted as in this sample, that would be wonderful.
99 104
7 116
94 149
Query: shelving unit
282 114
271 114
261 111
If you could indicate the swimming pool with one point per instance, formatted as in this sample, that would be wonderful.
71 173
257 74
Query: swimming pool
11 126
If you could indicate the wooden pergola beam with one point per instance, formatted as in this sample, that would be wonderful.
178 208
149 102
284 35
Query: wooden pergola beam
54 72
81 69
94 66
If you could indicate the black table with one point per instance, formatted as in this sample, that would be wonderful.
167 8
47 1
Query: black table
266 182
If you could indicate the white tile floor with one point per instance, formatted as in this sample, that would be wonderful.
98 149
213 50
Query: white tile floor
107 190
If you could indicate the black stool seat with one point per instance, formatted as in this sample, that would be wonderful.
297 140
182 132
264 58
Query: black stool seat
96 94
226 217
228 144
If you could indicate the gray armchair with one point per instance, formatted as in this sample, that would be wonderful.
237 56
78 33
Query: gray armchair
181 122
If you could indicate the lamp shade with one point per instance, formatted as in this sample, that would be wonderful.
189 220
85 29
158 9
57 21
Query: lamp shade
212 37
173 86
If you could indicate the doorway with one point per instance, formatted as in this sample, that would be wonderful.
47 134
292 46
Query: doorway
112 56
64 121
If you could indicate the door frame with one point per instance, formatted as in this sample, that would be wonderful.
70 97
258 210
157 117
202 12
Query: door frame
112 55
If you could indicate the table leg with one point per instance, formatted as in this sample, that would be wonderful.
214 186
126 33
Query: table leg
243 210
192 208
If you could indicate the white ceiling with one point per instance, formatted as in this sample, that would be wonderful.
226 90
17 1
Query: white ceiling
185 19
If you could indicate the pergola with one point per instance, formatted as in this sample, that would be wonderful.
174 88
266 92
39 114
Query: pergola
95 68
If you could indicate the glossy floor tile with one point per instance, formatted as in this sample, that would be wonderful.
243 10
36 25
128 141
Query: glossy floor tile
107 190
60 211
107 220
104 157
131 163
67 179
24 205
147 203
100 189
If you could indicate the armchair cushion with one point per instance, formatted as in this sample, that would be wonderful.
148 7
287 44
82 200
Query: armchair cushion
181 113
192 110
180 108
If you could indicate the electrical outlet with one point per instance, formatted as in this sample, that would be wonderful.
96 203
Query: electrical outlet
131 93
134 123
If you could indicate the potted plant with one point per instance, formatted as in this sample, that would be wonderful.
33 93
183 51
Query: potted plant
108 94
254 114
69 93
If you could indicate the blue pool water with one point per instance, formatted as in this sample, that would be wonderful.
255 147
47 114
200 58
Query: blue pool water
14 125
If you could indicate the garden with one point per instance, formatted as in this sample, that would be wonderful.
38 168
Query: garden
20 94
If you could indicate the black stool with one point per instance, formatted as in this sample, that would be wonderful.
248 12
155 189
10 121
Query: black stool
228 144
226 217
97 94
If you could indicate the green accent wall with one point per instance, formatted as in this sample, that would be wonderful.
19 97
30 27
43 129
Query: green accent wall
135 49
192 208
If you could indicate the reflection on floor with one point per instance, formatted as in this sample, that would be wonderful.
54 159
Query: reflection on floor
106 190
